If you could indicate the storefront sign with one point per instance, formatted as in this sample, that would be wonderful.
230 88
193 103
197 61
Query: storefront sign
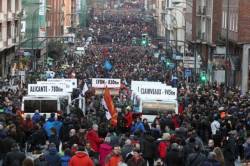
46 90
105 82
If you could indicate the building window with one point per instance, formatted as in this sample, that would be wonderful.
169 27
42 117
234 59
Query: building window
1 32
233 23
163 5
236 23
16 5
9 29
16 28
1 5
223 20
9 5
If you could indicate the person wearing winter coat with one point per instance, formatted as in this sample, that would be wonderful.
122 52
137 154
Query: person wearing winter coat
211 161
36 117
52 123
148 148
93 138
126 149
174 156
230 150
104 150
163 146
138 126
114 158
136 159
196 158
52 157
81 158
66 157
15 157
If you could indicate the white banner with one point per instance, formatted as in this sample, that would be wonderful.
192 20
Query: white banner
67 84
106 82
154 91
72 82
136 84
47 90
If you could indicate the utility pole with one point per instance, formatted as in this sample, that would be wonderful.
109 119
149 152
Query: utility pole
227 46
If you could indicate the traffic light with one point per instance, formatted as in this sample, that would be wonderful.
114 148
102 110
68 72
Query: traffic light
167 63
144 40
134 41
203 77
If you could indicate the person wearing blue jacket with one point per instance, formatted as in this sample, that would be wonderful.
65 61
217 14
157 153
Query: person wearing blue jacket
66 157
36 117
52 123
138 126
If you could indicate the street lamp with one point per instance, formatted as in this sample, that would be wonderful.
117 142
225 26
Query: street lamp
32 34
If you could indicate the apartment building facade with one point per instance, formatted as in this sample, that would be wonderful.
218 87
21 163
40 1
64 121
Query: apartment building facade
236 24
205 29
10 11
55 18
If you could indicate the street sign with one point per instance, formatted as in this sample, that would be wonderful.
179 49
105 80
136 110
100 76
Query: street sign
188 72
191 66
189 62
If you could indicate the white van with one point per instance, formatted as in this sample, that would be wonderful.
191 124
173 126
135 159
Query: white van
45 105
149 109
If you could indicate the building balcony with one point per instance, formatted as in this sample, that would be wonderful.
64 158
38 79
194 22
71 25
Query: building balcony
3 17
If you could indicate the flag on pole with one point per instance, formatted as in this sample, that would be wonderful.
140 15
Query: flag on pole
107 65
85 89
108 101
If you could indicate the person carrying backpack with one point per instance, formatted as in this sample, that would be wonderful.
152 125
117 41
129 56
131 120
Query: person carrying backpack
163 146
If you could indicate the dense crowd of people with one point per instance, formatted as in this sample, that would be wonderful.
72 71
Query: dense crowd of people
210 129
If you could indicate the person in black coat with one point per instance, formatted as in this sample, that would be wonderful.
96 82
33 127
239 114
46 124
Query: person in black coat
148 148
174 156
15 157
196 158
211 161
230 149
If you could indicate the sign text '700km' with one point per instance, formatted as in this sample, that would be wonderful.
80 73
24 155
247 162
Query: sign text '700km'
45 89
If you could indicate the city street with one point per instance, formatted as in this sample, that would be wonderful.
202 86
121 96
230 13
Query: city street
124 83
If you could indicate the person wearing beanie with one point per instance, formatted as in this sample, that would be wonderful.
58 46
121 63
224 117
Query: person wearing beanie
52 157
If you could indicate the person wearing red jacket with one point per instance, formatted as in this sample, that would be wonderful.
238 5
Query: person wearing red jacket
81 158
128 117
93 138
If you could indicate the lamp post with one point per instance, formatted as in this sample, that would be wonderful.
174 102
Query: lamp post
185 25
32 36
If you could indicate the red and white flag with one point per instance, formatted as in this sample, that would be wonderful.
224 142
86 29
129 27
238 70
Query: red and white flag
108 103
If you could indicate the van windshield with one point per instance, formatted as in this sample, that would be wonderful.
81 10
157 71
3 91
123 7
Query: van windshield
154 108
44 106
